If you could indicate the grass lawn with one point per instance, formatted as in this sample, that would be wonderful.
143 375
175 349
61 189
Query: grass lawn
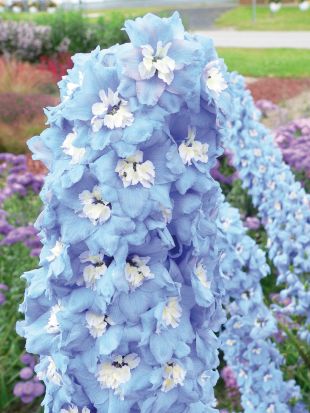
267 62
127 12
288 18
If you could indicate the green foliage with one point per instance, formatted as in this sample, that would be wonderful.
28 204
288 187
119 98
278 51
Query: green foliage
108 30
84 33
14 260
69 25
267 62
21 213
288 18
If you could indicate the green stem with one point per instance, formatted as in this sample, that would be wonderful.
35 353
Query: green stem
298 345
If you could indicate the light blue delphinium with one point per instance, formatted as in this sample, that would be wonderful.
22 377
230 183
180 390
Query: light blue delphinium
282 203
247 335
125 307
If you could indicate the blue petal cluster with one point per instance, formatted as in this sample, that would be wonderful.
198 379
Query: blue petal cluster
246 338
282 203
124 308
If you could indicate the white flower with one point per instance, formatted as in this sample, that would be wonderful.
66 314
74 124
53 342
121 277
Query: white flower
71 409
56 251
132 170
172 312
97 323
111 112
271 409
226 223
237 325
299 215
71 86
173 375
192 150
52 326
230 342
253 133
277 206
166 212
69 149
94 206
112 375
257 152
50 373
214 79
200 271
74 409
95 270
137 271
267 377
157 62
242 373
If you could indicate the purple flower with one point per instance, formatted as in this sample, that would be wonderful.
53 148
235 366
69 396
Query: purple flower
294 142
2 296
266 106
28 390
27 359
252 223
229 378
26 373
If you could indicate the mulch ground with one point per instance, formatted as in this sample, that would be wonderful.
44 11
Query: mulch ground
36 167
278 89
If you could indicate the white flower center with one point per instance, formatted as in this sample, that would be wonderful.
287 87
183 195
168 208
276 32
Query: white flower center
52 326
69 149
111 112
173 375
112 375
167 213
200 271
277 206
133 171
137 271
95 207
95 270
271 409
214 79
97 323
74 409
191 150
172 312
242 373
71 86
56 251
226 222
50 373
157 62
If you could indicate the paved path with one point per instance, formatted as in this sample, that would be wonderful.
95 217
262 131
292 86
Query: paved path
253 39
195 19
108 4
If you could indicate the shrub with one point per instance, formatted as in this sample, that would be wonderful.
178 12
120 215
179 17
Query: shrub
24 40
109 30
56 65
21 117
82 34
22 77
14 106
72 26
